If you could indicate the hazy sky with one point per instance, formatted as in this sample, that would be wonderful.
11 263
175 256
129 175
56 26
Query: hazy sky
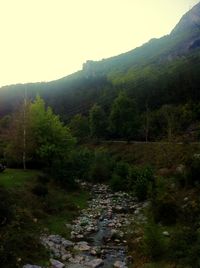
43 40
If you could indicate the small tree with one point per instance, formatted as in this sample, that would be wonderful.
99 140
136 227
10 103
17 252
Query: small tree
79 126
98 122
47 139
123 117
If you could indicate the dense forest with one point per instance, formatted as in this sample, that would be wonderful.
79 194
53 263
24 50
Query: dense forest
101 168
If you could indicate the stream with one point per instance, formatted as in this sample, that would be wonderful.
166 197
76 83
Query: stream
98 234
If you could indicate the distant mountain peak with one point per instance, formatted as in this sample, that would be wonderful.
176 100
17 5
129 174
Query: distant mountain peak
191 20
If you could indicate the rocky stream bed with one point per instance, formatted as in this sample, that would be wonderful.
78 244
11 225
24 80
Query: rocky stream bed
98 234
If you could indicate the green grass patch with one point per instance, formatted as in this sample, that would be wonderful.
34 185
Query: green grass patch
17 178
32 215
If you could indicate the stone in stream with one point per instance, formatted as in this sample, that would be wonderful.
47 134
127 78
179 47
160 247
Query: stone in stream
120 264
66 256
56 264
57 239
82 246
67 243
95 263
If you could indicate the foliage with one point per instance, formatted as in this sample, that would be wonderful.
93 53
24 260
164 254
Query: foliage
119 179
46 137
153 242
101 166
193 167
6 207
97 122
142 183
123 117
184 246
28 215
40 190
79 126
164 206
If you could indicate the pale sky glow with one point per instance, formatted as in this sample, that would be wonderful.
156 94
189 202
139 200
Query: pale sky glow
43 40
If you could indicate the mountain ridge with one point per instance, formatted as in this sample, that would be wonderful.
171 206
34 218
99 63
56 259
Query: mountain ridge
98 79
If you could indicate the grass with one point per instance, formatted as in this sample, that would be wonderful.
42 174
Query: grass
12 178
33 215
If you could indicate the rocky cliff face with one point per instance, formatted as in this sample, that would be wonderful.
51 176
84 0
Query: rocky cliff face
191 20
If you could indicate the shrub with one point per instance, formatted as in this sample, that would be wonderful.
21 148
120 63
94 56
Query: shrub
153 242
82 160
43 178
184 246
40 190
144 179
193 167
63 173
117 183
164 205
101 166
119 179
6 210
165 212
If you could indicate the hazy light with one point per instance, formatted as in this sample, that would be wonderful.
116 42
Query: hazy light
42 40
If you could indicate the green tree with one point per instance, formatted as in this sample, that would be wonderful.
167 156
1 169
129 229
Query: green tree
47 138
79 126
123 117
98 122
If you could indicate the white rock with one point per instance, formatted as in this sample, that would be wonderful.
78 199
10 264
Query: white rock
119 264
95 263
165 233
56 264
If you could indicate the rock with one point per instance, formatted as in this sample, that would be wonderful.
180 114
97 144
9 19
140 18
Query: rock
119 264
66 256
93 252
95 263
67 243
180 169
165 233
82 246
56 264
69 226
57 239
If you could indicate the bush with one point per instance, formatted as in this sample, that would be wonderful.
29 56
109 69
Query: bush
40 190
153 242
193 170
18 241
144 179
164 205
117 183
165 212
119 179
101 167
184 246
63 173
6 210
43 178
83 159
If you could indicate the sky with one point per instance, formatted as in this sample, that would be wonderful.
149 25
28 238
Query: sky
43 40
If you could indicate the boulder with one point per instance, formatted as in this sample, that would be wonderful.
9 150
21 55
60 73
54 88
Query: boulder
56 264
95 263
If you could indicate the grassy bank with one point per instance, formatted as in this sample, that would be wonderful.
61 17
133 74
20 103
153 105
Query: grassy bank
31 213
